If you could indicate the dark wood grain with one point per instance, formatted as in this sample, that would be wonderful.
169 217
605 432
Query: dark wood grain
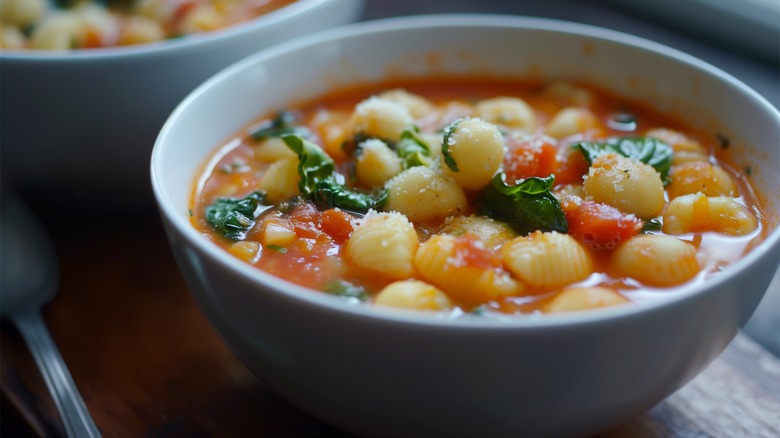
148 363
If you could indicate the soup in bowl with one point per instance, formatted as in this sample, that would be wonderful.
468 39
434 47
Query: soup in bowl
68 25
455 225
82 111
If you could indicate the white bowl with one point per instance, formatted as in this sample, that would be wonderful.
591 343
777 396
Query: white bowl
389 373
82 123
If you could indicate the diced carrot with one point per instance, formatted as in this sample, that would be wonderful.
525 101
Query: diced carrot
337 223
599 226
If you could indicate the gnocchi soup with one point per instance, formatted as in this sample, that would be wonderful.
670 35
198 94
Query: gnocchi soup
84 24
478 196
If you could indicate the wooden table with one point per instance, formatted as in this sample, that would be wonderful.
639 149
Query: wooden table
149 364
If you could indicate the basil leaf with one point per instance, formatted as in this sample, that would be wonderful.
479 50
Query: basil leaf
412 149
232 217
651 226
277 248
282 124
331 193
527 206
319 184
445 145
645 149
352 146
314 165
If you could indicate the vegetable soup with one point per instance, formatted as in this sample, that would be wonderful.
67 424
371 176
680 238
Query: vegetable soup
478 195
86 24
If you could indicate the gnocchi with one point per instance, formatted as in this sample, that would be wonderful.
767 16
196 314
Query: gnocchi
381 118
629 185
568 93
700 177
517 199
657 260
376 163
492 232
418 106
509 111
697 212
570 121
476 151
422 194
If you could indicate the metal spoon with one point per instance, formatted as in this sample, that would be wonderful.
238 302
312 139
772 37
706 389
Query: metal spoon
28 279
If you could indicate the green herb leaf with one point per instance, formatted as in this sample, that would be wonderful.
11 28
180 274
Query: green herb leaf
330 193
346 289
314 165
645 149
445 145
282 124
319 184
352 146
277 248
651 226
412 149
232 217
527 206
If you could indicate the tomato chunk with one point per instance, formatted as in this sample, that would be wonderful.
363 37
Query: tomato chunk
306 221
470 251
536 156
337 223
573 167
599 226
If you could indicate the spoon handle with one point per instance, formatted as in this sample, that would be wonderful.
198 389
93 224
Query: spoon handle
74 414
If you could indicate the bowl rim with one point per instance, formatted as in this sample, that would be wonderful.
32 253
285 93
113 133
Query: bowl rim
219 36
324 302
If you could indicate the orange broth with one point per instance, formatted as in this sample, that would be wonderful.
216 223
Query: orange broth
316 259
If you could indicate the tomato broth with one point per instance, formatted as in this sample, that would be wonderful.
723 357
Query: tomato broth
478 195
